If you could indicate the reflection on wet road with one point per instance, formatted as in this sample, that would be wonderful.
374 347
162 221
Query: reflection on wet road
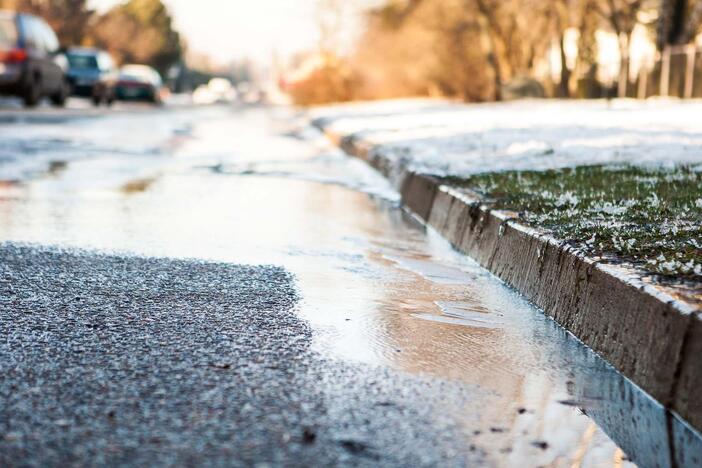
378 290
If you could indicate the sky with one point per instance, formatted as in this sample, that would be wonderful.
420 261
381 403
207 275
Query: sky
254 29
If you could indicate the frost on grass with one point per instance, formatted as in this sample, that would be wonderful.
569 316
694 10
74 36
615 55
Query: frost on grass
649 217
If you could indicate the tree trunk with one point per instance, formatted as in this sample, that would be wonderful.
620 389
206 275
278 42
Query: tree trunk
624 41
671 26
564 85
491 56
692 25
496 73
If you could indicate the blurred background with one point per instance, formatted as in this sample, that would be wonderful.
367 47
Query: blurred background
319 51
481 50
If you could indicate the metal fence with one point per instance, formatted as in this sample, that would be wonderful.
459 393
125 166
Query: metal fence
675 72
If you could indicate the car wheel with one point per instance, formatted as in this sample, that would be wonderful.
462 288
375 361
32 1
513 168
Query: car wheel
155 98
97 100
61 96
32 93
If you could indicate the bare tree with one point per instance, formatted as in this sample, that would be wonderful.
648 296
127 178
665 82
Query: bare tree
561 18
490 25
139 31
671 22
622 17
586 62
69 18
693 22
457 31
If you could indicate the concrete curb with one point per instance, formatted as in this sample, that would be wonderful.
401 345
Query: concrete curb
651 337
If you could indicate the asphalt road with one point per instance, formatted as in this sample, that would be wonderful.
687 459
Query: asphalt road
219 287
123 360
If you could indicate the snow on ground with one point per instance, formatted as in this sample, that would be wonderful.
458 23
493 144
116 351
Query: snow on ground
443 137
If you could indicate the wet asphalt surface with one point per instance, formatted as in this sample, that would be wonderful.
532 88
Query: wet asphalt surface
125 360
219 287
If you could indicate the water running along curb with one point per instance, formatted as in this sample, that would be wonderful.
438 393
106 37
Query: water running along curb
652 338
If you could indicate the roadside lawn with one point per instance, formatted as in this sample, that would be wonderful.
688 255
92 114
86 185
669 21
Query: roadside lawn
649 217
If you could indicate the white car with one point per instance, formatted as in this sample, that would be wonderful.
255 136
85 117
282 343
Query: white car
218 90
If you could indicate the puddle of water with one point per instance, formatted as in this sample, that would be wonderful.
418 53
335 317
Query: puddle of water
428 268
464 310
465 313
476 322
33 150
326 169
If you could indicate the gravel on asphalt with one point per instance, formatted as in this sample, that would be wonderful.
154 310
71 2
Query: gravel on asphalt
108 359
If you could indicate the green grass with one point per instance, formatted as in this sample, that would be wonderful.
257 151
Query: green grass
649 217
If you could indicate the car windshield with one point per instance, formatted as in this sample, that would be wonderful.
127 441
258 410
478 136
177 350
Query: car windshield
138 73
8 31
82 62
128 76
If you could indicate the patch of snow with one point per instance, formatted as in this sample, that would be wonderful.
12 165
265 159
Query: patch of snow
526 147
609 208
653 200
568 198
444 137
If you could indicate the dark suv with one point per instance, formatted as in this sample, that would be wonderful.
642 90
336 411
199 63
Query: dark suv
31 62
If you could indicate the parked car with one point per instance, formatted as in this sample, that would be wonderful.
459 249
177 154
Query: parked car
92 73
32 64
218 90
139 83
223 90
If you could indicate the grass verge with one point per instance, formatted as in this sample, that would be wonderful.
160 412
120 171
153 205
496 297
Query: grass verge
649 217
